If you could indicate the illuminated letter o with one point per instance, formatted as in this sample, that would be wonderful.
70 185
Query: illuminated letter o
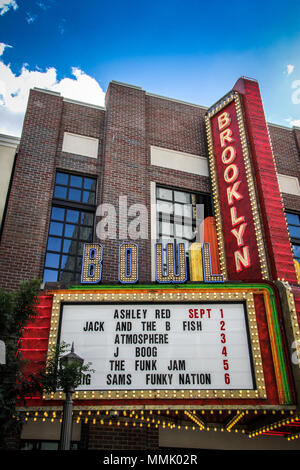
228 159
231 173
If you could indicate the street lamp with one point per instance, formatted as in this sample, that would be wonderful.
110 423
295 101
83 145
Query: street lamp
69 360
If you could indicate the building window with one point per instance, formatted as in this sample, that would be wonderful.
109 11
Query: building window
74 188
179 214
71 225
293 221
30 444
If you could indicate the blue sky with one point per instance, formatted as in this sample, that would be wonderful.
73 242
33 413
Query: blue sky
188 50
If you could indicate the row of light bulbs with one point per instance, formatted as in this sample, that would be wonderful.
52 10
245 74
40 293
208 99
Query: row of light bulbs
271 427
147 420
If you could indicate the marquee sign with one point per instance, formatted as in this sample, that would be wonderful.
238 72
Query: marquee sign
151 344
142 346
198 342
238 224
164 345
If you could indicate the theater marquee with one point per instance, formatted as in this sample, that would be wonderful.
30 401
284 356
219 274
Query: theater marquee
149 343
161 346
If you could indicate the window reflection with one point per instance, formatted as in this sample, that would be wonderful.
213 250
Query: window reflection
293 221
70 227
72 216
176 216
75 188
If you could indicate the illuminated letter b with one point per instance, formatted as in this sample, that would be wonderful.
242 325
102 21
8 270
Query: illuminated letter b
91 263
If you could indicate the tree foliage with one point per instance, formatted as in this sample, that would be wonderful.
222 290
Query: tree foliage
16 309
55 377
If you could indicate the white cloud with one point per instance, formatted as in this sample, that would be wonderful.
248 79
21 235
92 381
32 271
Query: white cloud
83 88
30 18
293 122
14 90
290 69
2 47
42 5
5 5
296 93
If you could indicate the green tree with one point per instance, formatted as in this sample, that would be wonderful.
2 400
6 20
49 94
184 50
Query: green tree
55 377
16 309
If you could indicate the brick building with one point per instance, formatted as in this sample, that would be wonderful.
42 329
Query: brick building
75 162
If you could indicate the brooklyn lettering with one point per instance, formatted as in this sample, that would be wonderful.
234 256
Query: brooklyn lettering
234 192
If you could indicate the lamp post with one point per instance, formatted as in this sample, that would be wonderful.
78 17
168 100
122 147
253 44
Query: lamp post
70 359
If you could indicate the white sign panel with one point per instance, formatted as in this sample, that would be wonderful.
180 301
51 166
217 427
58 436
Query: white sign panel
161 346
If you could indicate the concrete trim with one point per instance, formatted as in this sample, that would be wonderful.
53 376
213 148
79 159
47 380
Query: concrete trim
280 126
81 103
176 101
288 184
49 92
114 82
9 140
179 161
78 144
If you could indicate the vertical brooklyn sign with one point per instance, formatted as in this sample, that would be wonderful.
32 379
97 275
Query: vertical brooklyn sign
240 237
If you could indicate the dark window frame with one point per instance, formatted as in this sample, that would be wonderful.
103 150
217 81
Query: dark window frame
73 273
37 444
200 198
295 241
68 186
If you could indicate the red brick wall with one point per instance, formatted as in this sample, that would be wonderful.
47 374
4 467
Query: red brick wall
25 231
286 149
134 122
105 437
125 167
296 132
25 228
86 121
176 126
